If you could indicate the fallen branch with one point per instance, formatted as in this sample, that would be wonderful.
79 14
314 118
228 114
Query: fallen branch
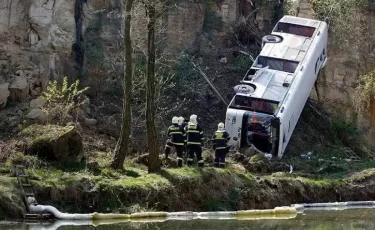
209 82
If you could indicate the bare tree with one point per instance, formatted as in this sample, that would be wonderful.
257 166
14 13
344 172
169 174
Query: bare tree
153 161
123 143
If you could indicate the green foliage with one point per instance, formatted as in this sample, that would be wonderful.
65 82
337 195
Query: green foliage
60 101
365 93
26 160
344 129
342 17
212 21
242 63
94 51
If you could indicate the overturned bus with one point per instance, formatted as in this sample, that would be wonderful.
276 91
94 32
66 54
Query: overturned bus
269 101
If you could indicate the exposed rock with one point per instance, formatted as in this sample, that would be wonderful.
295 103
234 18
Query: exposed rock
259 163
53 143
37 115
208 156
4 94
19 89
37 103
224 60
93 167
91 122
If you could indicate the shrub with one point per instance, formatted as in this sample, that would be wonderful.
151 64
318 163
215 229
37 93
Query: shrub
365 93
60 101
343 17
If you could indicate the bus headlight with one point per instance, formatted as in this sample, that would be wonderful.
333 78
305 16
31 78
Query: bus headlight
235 138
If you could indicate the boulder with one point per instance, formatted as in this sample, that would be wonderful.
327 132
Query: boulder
224 60
37 115
208 156
19 89
259 164
4 94
37 103
90 122
53 143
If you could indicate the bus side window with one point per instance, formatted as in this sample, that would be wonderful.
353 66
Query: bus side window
316 66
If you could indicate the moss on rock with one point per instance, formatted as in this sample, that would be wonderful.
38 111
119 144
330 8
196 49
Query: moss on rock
11 205
51 142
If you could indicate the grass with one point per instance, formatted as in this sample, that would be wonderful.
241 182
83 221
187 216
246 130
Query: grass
75 188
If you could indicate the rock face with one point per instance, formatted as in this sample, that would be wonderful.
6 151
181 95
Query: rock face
37 103
41 41
19 89
4 94
54 143
37 115
337 81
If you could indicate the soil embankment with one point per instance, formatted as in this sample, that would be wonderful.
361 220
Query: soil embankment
180 189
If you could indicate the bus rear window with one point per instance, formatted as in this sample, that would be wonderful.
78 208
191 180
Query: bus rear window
254 104
277 64
299 30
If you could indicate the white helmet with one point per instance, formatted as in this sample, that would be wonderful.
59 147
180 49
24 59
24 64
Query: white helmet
175 120
220 126
193 119
180 120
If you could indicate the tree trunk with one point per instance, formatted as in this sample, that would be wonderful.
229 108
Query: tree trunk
153 157
123 143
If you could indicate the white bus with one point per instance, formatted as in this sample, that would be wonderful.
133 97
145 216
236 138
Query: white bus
273 93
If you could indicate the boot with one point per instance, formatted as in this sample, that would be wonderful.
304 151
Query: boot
200 164
216 165
166 152
179 163
222 165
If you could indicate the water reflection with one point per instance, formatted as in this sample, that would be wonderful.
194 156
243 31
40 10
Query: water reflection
351 219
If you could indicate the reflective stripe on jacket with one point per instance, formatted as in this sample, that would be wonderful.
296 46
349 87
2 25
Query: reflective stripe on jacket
194 134
220 139
176 134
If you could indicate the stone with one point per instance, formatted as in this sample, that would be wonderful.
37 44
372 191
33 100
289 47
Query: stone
19 89
37 103
37 115
53 143
4 94
224 60
93 167
208 156
90 122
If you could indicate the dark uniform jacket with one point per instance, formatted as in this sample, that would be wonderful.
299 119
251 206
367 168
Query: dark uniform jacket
194 134
176 134
220 139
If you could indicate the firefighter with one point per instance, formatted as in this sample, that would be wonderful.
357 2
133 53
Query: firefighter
220 140
182 123
176 139
194 141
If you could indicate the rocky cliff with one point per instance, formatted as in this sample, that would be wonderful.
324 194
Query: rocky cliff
350 55
46 40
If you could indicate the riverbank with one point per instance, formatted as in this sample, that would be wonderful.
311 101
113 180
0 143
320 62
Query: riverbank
80 190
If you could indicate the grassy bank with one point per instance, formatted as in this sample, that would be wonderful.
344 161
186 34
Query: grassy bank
79 189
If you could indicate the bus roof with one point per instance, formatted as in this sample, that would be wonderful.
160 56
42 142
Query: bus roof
290 48
269 85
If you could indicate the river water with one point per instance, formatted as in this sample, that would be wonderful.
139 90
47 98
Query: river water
350 219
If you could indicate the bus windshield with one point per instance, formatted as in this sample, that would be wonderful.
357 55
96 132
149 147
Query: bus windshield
254 104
